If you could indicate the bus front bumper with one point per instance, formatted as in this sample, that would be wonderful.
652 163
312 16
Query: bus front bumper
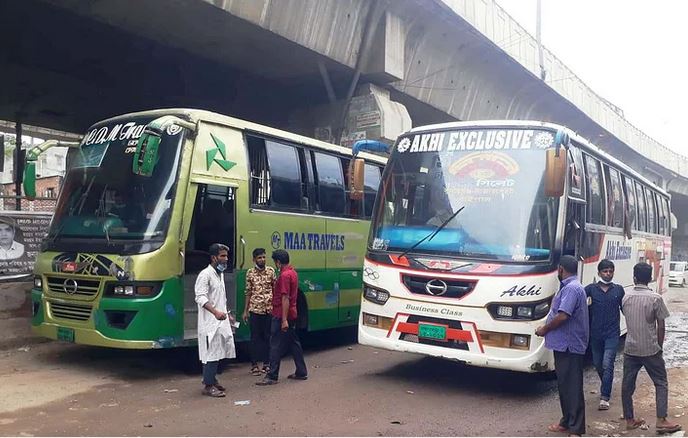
538 360
87 336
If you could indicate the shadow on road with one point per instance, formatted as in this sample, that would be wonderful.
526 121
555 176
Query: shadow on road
457 377
143 364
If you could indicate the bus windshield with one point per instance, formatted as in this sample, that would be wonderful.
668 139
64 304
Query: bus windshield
103 201
497 175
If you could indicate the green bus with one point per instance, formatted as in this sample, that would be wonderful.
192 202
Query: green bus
144 196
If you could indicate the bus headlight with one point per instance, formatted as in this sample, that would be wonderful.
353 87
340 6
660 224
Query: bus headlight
133 289
517 311
37 282
524 312
377 296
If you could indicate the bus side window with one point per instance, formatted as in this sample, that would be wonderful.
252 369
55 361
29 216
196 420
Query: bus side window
576 173
668 216
596 208
642 210
259 171
631 207
614 198
661 215
285 173
651 211
276 179
330 183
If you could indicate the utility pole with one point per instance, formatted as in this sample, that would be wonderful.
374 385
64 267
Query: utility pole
18 165
538 36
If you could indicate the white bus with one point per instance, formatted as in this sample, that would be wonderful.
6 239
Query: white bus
469 224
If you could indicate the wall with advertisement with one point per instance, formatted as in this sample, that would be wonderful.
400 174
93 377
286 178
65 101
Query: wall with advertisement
21 234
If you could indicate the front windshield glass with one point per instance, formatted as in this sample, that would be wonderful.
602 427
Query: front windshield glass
102 200
496 174
677 266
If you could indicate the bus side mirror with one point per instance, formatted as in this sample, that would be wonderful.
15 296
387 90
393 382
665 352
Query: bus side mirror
555 173
356 176
146 156
30 180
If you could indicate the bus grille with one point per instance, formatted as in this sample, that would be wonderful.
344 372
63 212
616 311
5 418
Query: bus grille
454 288
74 312
84 288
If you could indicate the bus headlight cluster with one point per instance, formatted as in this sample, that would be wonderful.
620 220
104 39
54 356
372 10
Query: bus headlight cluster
133 290
531 311
37 282
377 296
124 290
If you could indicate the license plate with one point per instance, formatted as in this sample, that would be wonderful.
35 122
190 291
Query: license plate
432 331
65 334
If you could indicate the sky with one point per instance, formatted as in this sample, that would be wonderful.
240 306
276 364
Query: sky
633 53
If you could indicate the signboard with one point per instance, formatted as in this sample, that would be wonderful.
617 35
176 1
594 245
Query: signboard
21 235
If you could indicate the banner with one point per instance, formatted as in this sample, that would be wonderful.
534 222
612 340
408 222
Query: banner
21 235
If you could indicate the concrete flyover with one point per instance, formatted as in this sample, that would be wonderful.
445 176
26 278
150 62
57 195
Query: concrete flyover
304 65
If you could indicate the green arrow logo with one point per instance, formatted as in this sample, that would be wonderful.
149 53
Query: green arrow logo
210 155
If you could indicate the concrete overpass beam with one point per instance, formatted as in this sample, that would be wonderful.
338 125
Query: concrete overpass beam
385 61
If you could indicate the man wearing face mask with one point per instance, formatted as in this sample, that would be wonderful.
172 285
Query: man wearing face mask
215 337
566 333
605 311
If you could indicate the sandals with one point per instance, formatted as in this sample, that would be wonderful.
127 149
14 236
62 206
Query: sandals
557 428
636 424
669 428
213 392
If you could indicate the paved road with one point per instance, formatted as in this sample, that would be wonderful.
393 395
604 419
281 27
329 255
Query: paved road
59 389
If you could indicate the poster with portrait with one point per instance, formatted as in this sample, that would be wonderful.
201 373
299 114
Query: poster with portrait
21 234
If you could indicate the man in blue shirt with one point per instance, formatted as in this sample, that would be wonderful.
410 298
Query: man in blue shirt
566 333
605 310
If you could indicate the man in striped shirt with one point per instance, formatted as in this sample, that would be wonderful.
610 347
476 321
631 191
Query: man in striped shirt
645 313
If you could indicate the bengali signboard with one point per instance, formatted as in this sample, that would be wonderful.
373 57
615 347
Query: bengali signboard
21 234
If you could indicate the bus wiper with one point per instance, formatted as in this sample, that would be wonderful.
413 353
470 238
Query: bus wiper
433 234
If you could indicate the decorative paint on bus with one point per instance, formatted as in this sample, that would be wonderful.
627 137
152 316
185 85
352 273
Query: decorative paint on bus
126 243
464 245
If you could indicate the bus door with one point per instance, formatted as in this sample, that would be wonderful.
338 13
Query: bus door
213 221
574 230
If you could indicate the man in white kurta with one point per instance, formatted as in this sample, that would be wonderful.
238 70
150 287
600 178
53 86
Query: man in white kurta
215 338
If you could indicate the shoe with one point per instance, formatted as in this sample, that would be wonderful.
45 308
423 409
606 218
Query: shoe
267 381
219 387
255 371
604 405
295 377
213 392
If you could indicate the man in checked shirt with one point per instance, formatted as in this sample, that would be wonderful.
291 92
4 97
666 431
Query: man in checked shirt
258 308
645 313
